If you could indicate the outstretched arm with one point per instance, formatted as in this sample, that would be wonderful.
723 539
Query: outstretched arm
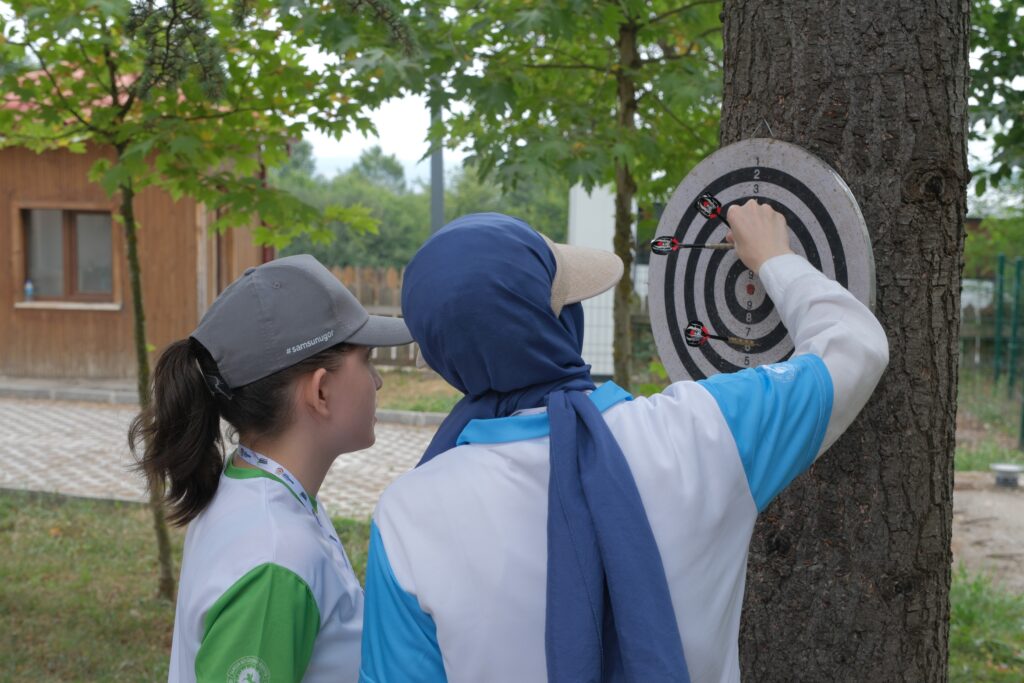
822 317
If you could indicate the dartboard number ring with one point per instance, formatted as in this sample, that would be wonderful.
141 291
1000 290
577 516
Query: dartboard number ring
713 286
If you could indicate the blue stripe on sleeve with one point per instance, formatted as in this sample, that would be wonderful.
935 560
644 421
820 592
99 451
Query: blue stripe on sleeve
778 415
399 638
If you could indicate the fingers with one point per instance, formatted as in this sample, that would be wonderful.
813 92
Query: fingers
758 231
750 208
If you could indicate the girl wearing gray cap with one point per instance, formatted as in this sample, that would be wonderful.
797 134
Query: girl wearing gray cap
283 356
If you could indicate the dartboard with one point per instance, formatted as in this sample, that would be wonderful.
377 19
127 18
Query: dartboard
714 287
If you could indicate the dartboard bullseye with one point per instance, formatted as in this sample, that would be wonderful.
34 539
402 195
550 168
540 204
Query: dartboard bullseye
713 286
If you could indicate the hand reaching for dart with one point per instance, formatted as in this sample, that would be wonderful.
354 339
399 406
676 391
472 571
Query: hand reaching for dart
759 232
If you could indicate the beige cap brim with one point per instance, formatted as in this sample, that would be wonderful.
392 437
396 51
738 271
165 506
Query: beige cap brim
581 273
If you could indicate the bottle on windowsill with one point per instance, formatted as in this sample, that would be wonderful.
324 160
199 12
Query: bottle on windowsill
30 290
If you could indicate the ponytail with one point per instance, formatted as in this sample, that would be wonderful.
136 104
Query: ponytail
180 434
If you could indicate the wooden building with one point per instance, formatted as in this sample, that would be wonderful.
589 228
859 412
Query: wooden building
57 232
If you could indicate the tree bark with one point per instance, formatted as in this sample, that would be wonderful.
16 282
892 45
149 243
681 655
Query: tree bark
625 190
849 570
163 542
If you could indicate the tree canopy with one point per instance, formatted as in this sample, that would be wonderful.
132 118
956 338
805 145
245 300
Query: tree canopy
541 81
402 208
195 97
997 97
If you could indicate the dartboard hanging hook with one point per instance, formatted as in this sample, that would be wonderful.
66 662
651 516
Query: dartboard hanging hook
764 122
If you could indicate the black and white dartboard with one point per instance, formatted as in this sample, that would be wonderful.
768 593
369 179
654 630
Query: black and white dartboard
714 287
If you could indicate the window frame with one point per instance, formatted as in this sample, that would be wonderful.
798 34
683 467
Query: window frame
72 297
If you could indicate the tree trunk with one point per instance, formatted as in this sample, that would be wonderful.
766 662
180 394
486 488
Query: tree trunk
849 570
163 541
625 189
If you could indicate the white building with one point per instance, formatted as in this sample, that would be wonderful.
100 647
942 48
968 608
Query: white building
592 224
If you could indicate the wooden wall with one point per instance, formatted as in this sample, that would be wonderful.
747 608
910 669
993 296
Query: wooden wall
380 292
97 341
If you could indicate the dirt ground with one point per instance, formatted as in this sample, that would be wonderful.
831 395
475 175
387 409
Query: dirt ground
988 522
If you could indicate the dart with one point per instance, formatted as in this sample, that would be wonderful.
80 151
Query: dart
709 207
697 334
665 245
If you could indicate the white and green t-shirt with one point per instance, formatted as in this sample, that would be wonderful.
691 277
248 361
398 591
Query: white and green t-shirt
264 594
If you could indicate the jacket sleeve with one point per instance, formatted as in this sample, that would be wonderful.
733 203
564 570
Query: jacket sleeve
265 626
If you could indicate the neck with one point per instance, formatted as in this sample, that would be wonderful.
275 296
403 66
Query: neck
305 464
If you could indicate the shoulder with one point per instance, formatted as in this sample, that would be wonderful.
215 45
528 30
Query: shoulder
447 470
684 412
253 522
464 472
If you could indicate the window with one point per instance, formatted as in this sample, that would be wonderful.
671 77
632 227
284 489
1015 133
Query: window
68 255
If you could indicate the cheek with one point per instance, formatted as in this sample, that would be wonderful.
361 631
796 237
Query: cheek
362 399
356 409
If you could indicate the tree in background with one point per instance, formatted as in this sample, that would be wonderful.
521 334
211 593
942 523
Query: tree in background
996 235
623 94
541 200
377 184
194 98
402 209
997 101
997 114
849 569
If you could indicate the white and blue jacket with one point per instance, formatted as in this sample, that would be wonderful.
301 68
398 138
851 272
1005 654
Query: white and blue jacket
456 581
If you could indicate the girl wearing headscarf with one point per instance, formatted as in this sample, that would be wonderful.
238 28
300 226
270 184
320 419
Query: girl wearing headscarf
559 531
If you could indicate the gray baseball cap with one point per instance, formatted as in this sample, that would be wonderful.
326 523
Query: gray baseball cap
285 311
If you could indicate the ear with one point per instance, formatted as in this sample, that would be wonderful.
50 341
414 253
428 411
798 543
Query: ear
315 392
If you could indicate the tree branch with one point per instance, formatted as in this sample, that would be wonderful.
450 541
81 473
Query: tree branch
56 88
66 133
668 58
681 8
112 71
575 59
590 67
86 63
691 51
210 117
682 124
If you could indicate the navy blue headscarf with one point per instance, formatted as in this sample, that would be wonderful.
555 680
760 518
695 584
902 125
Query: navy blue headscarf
477 299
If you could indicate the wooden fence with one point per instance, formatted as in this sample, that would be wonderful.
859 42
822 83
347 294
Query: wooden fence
380 292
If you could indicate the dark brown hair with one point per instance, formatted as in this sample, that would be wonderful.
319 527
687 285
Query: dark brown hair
179 433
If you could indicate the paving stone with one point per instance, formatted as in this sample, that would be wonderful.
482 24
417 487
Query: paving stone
81 449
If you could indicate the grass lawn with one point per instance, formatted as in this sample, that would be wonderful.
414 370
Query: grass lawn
986 632
416 390
991 418
78 577
78 585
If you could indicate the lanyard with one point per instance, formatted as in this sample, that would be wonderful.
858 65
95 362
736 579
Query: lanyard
279 471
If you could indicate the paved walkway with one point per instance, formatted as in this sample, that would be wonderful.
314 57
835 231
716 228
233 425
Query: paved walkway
124 392
80 449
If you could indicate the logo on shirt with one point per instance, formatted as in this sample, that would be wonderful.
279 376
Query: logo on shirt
249 670
784 372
